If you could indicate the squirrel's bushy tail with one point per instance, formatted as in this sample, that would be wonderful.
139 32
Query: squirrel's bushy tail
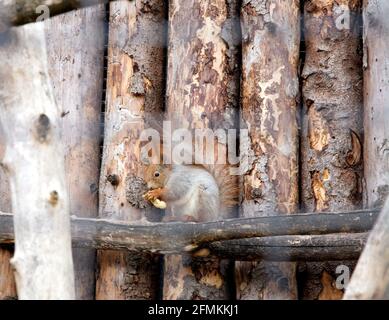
228 187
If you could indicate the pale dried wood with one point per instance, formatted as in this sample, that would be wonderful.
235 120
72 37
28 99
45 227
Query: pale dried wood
370 279
34 158
75 44
19 12
376 98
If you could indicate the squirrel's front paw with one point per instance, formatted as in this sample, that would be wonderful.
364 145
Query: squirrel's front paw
153 194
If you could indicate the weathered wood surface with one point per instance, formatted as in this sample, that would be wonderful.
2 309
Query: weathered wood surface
331 138
370 279
178 236
376 99
292 248
75 44
99 234
271 37
135 84
34 159
7 280
19 12
202 93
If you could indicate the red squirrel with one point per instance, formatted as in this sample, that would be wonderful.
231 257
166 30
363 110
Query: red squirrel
192 192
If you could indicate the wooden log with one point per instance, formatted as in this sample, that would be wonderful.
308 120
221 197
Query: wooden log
108 235
134 91
331 148
19 12
7 281
271 37
376 99
370 281
202 93
188 236
76 51
34 159
292 248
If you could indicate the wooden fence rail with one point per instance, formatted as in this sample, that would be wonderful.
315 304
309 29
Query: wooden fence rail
329 181
301 236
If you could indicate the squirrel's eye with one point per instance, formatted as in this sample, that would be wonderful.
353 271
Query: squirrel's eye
156 174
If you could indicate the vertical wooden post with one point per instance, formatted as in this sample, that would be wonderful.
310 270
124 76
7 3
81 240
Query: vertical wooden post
370 279
76 52
202 91
331 150
7 280
376 100
271 36
134 90
34 159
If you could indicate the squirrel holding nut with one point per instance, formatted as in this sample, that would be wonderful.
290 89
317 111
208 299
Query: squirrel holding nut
192 192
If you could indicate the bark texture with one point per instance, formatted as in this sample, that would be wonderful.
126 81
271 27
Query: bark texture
370 279
134 92
271 36
202 91
34 158
76 50
292 248
332 114
92 233
189 237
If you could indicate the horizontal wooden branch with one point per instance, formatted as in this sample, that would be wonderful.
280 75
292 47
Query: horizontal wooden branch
19 12
181 237
329 247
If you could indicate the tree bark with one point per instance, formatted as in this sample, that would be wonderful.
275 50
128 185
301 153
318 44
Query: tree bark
34 158
370 279
202 91
93 233
76 50
134 92
271 36
332 117
292 248
179 236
